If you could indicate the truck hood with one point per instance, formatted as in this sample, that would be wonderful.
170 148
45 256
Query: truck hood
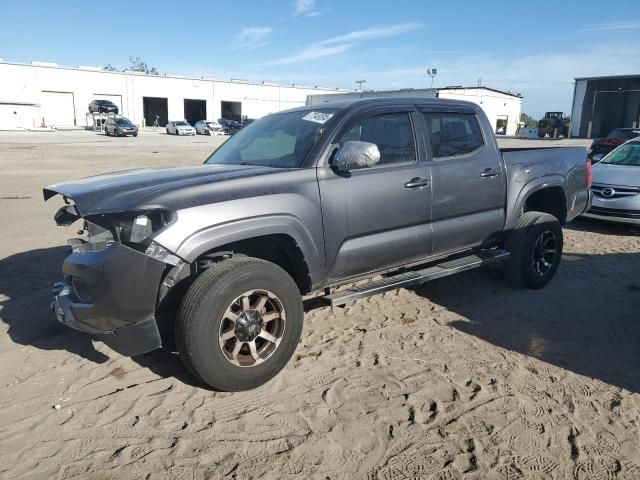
621 175
132 190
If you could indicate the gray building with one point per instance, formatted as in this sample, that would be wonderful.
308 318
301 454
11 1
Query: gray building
601 104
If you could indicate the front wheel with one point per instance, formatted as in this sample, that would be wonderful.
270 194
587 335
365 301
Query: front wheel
535 245
239 323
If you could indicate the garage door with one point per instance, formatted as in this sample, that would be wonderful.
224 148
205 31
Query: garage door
57 108
116 99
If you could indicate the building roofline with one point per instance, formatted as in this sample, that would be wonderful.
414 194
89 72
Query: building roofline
603 77
81 68
459 87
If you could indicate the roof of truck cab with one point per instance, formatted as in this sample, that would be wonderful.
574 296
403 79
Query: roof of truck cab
361 102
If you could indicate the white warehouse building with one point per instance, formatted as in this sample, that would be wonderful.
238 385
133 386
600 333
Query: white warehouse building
502 108
46 95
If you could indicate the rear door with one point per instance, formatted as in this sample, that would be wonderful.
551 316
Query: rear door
57 108
468 179
378 217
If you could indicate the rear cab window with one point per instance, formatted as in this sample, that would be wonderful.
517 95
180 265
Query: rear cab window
453 134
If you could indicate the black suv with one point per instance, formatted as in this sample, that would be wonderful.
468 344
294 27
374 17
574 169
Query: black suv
103 106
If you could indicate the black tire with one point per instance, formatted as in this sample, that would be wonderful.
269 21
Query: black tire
167 131
532 263
199 325
135 134
106 132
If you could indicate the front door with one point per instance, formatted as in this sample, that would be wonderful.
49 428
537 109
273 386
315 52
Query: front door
378 217
468 181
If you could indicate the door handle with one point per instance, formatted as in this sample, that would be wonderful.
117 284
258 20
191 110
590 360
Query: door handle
417 182
489 172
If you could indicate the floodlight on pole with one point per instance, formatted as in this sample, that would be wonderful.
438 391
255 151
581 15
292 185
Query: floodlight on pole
432 72
360 83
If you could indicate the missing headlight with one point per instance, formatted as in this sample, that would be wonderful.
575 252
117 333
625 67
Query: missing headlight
160 253
141 229
133 229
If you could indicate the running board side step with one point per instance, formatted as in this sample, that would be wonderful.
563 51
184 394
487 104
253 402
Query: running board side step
417 277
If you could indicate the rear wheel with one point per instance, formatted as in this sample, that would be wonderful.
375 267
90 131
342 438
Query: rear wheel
239 323
536 248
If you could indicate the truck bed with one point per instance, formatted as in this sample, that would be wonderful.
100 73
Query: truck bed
562 166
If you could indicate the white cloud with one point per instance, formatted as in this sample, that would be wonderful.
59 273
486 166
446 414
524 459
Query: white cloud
251 37
305 8
342 43
311 53
611 26
372 33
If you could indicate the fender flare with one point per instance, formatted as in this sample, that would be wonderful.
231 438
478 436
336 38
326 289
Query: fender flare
531 187
244 229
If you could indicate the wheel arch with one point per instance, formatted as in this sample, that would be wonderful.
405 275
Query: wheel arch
281 239
546 194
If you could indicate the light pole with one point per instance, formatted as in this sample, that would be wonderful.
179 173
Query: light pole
432 72
360 87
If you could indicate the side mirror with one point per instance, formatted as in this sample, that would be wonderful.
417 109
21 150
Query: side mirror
597 158
354 154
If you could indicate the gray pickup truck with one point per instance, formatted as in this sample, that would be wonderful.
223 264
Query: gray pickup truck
300 203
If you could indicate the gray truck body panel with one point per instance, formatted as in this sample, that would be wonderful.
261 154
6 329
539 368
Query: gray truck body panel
347 225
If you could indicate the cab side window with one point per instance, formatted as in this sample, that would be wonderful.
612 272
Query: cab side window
391 132
453 134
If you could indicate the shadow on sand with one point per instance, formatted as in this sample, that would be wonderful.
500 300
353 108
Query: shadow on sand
586 320
26 280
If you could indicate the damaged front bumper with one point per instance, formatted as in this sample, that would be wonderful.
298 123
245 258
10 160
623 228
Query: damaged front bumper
111 293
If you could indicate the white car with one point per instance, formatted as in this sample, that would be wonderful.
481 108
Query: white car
207 127
616 185
180 127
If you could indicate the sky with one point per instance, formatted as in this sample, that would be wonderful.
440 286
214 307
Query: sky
533 48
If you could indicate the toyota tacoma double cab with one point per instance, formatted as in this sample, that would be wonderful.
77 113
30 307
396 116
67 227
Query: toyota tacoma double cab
339 201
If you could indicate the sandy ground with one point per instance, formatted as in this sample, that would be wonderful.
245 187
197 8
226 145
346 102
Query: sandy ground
462 378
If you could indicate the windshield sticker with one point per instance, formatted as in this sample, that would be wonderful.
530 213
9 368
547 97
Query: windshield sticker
318 117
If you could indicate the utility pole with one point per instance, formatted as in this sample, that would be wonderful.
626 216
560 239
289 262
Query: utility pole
432 72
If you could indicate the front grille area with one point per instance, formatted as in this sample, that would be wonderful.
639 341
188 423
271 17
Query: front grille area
618 192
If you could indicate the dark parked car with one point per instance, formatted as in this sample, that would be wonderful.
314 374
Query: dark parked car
601 147
300 203
230 126
120 127
103 106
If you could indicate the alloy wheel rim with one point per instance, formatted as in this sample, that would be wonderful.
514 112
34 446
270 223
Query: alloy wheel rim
252 328
545 251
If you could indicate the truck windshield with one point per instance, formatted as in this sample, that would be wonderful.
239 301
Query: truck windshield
282 140
628 154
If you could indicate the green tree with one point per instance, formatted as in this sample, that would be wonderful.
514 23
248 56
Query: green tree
528 121
139 65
